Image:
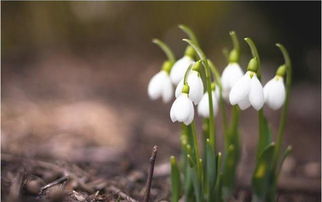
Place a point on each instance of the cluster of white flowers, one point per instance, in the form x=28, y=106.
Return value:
x=246, y=90
x=240, y=89
x=187, y=95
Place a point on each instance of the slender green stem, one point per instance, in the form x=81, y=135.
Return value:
x=190, y=33
x=196, y=153
x=255, y=54
x=235, y=40
x=165, y=49
x=283, y=116
x=235, y=120
x=194, y=45
x=206, y=67
x=221, y=100
x=186, y=74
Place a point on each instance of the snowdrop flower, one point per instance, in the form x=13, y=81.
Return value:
x=274, y=92
x=231, y=74
x=180, y=67
x=160, y=84
x=203, y=106
x=248, y=91
x=182, y=108
x=195, y=83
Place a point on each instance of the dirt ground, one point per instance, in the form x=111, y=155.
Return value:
x=88, y=123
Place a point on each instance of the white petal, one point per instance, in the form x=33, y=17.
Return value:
x=203, y=106
x=155, y=85
x=179, y=69
x=275, y=97
x=191, y=115
x=231, y=74
x=167, y=89
x=240, y=90
x=256, y=95
x=179, y=88
x=172, y=116
x=196, y=87
x=182, y=108
x=217, y=93
x=244, y=104
x=267, y=88
x=235, y=74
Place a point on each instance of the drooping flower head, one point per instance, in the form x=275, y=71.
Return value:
x=233, y=72
x=160, y=85
x=274, y=90
x=248, y=91
x=195, y=84
x=182, y=108
x=180, y=67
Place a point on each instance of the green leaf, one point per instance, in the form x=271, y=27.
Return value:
x=262, y=173
x=219, y=180
x=175, y=180
x=284, y=156
x=229, y=171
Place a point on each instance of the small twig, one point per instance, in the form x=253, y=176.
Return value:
x=150, y=174
x=118, y=192
x=58, y=181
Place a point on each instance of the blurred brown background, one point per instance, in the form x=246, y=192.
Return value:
x=75, y=74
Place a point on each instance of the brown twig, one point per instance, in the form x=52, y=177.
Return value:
x=118, y=192
x=150, y=174
x=58, y=181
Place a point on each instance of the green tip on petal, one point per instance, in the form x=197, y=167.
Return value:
x=190, y=52
x=253, y=65
x=197, y=66
x=167, y=65
x=185, y=89
x=281, y=71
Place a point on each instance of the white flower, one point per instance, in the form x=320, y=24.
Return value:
x=160, y=86
x=203, y=106
x=179, y=69
x=274, y=93
x=196, y=87
x=231, y=74
x=182, y=110
x=247, y=91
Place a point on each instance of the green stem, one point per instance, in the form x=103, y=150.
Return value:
x=281, y=130
x=216, y=75
x=165, y=49
x=255, y=54
x=186, y=74
x=204, y=60
x=235, y=40
x=235, y=121
x=190, y=33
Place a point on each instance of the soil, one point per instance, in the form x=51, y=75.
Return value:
x=82, y=129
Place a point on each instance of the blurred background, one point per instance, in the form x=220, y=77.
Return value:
x=75, y=74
